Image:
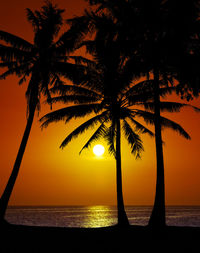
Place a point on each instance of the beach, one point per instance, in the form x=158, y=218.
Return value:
x=18, y=238
x=93, y=229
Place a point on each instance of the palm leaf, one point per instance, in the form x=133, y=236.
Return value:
x=168, y=106
x=100, y=132
x=166, y=91
x=82, y=60
x=147, y=95
x=150, y=118
x=70, y=40
x=18, y=70
x=133, y=139
x=165, y=106
x=10, y=54
x=73, y=72
x=70, y=112
x=140, y=87
x=91, y=46
x=32, y=19
x=15, y=41
x=77, y=99
x=82, y=128
x=78, y=90
x=139, y=127
x=129, y=72
x=174, y=126
x=148, y=86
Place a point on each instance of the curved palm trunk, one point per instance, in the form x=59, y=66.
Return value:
x=11, y=182
x=122, y=217
x=157, y=218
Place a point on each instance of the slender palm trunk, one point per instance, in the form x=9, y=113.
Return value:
x=11, y=182
x=122, y=217
x=157, y=218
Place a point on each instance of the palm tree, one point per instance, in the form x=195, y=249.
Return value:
x=156, y=32
x=43, y=63
x=111, y=108
x=108, y=91
x=166, y=38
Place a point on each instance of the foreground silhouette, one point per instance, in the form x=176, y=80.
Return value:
x=155, y=30
x=44, y=61
x=108, y=90
x=109, y=239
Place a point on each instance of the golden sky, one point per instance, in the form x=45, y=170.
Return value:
x=50, y=176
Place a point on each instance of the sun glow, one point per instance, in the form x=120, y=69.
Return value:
x=98, y=150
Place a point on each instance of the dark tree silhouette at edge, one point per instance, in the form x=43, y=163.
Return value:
x=45, y=61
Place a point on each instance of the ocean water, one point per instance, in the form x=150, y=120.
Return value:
x=97, y=216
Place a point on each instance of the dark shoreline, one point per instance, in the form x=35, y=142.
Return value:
x=19, y=238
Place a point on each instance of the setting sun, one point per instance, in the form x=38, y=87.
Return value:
x=98, y=150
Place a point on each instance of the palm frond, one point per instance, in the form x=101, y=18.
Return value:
x=147, y=95
x=168, y=106
x=70, y=112
x=73, y=89
x=73, y=72
x=91, y=46
x=174, y=126
x=140, y=128
x=133, y=139
x=82, y=60
x=11, y=54
x=82, y=128
x=32, y=19
x=166, y=91
x=23, y=79
x=15, y=41
x=100, y=132
x=140, y=87
x=77, y=99
x=70, y=40
x=139, y=98
x=18, y=70
x=129, y=72
x=164, y=106
x=150, y=118
x=125, y=112
x=146, y=89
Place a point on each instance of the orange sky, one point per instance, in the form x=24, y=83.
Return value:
x=50, y=176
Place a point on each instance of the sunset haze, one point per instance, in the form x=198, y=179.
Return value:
x=52, y=176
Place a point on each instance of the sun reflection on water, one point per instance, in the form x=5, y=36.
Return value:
x=100, y=216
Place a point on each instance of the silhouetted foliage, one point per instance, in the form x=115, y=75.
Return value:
x=110, y=90
x=158, y=34
x=44, y=63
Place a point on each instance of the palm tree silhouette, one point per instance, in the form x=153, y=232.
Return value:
x=43, y=62
x=151, y=32
x=146, y=20
x=163, y=48
x=110, y=106
x=108, y=91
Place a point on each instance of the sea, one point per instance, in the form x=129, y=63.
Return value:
x=97, y=216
